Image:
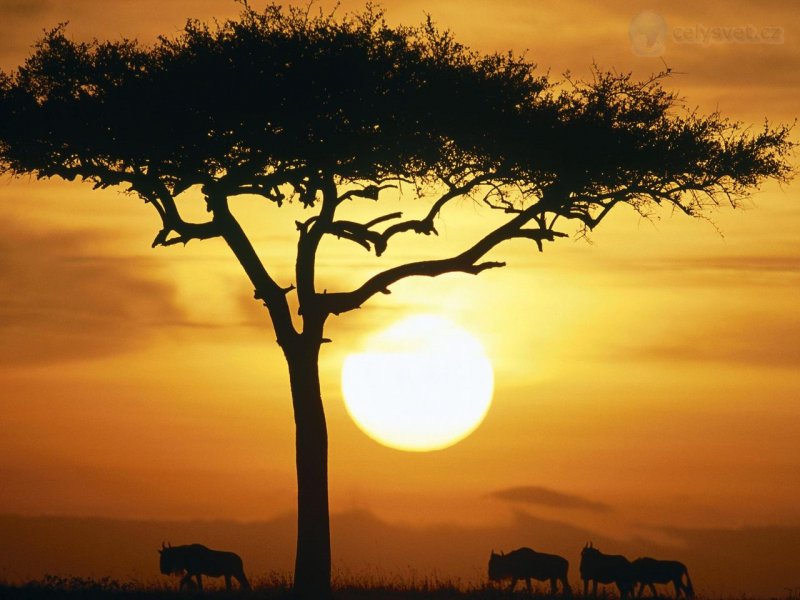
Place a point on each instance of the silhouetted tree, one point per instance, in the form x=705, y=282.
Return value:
x=321, y=110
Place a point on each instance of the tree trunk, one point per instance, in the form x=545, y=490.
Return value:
x=312, y=575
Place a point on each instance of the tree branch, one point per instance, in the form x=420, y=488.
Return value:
x=308, y=242
x=153, y=190
x=337, y=303
x=252, y=181
x=150, y=187
x=266, y=289
x=538, y=236
x=369, y=192
x=361, y=233
x=585, y=209
x=466, y=262
x=425, y=225
x=186, y=232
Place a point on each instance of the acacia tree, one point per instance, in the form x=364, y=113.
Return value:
x=323, y=110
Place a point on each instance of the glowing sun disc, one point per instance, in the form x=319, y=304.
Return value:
x=422, y=384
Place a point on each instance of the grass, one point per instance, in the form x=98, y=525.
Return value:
x=273, y=587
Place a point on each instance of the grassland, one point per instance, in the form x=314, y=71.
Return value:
x=278, y=587
x=271, y=588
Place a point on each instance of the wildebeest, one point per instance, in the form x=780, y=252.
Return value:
x=605, y=568
x=528, y=564
x=196, y=560
x=648, y=571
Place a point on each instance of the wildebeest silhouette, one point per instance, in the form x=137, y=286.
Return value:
x=196, y=560
x=648, y=571
x=605, y=568
x=528, y=564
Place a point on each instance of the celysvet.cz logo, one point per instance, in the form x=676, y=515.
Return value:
x=650, y=35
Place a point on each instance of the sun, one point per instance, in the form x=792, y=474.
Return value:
x=422, y=384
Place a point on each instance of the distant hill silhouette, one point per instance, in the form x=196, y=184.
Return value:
x=757, y=561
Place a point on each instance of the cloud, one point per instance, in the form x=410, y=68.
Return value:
x=63, y=298
x=541, y=496
x=743, y=270
x=788, y=264
x=757, y=339
x=24, y=8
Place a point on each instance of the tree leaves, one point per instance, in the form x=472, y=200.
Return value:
x=272, y=101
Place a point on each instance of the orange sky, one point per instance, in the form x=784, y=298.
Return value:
x=653, y=371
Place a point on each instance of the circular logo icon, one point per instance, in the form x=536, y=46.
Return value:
x=648, y=34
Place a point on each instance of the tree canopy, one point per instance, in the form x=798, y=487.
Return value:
x=274, y=94
x=273, y=102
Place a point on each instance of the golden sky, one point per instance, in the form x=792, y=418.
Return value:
x=650, y=376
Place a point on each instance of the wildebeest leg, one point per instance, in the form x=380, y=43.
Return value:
x=528, y=584
x=186, y=580
x=227, y=583
x=653, y=590
x=626, y=589
x=594, y=588
x=513, y=584
x=565, y=589
x=585, y=587
x=553, y=586
x=199, y=581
